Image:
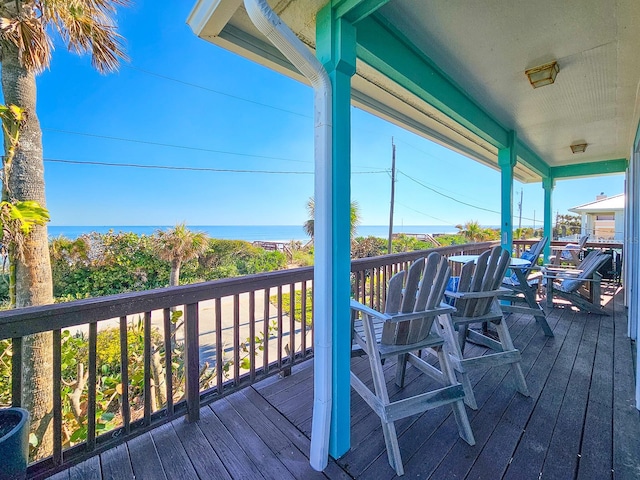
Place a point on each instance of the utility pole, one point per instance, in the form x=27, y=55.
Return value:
x=520, y=212
x=393, y=192
x=534, y=221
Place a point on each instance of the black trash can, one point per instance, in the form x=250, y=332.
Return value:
x=14, y=443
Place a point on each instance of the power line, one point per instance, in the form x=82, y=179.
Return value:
x=447, y=196
x=208, y=89
x=196, y=169
x=426, y=214
x=453, y=198
x=171, y=145
x=185, y=147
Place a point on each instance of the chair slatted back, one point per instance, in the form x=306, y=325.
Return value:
x=430, y=294
x=536, y=249
x=592, y=262
x=583, y=241
x=486, y=275
x=423, y=290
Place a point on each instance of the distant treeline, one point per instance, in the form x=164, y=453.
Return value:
x=98, y=264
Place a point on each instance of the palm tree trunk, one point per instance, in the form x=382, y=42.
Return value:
x=33, y=273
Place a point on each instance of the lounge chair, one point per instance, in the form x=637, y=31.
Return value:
x=406, y=328
x=523, y=286
x=581, y=286
x=570, y=253
x=476, y=303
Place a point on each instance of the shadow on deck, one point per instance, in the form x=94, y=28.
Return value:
x=580, y=421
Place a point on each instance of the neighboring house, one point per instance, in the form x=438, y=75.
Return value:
x=603, y=220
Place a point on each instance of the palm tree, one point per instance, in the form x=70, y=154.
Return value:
x=472, y=231
x=86, y=26
x=178, y=245
x=309, y=225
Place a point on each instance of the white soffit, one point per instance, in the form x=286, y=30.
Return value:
x=486, y=45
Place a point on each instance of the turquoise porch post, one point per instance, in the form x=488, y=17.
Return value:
x=507, y=158
x=547, y=184
x=336, y=50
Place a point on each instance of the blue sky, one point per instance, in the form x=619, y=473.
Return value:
x=182, y=102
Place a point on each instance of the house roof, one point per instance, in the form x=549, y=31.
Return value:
x=453, y=72
x=609, y=204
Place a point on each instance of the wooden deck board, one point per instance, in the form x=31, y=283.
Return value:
x=116, y=463
x=87, y=470
x=256, y=449
x=204, y=458
x=580, y=421
x=626, y=430
x=174, y=458
x=233, y=457
x=144, y=458
x=596, y=452
x=530, y=453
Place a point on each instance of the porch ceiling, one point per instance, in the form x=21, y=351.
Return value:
x=483, y=48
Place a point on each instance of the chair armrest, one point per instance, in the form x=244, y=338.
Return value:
x=405, y=317
x=559, y=272
x=359, y=307
x=401, y=317
x=472, y=295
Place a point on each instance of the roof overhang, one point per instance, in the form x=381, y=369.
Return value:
x=469, y=99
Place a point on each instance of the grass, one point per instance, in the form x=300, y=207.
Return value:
x=286, y=305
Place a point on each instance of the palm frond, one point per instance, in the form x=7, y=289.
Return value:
x=27, y=33
x=87, y=26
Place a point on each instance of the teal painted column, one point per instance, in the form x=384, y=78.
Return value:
x=507, y=158
x=336, y=49
x=547, y=184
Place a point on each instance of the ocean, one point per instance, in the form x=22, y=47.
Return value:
x=250, y=233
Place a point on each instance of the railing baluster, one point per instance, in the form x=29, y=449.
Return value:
x=91, y=396
x=292, y=323
x=192, y=363
x=236, y=339
x=16, y=372
x=124, y=376
x=266, y=335
x=168, y=358
x=385, y=270
x=219, y=346
x=57, y=397
x=279, y=295
x=252, y=336
x=147, y=368
x=303, y=318
x=378, y=290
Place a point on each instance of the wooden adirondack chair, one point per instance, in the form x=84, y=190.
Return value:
x=570, y=253
x=523, y=287
x=476, y=303
x=406, y=328
x=581, y=286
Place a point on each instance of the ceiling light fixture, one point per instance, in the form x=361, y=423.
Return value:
x=578, y=147
x=543, y=75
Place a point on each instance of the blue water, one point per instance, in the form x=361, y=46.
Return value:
x=250, y=233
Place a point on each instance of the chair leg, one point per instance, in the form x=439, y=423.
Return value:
x=452, y=348
x=401, y=369
x=459, y=412
x=462, y=336
x=393, y=449
x=516, y=368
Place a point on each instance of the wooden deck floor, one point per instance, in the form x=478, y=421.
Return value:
x=579, y=422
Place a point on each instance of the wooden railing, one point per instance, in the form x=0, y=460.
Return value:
x=233, y=331
x=521, y=245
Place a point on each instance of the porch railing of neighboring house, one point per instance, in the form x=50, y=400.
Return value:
x=247, y=328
